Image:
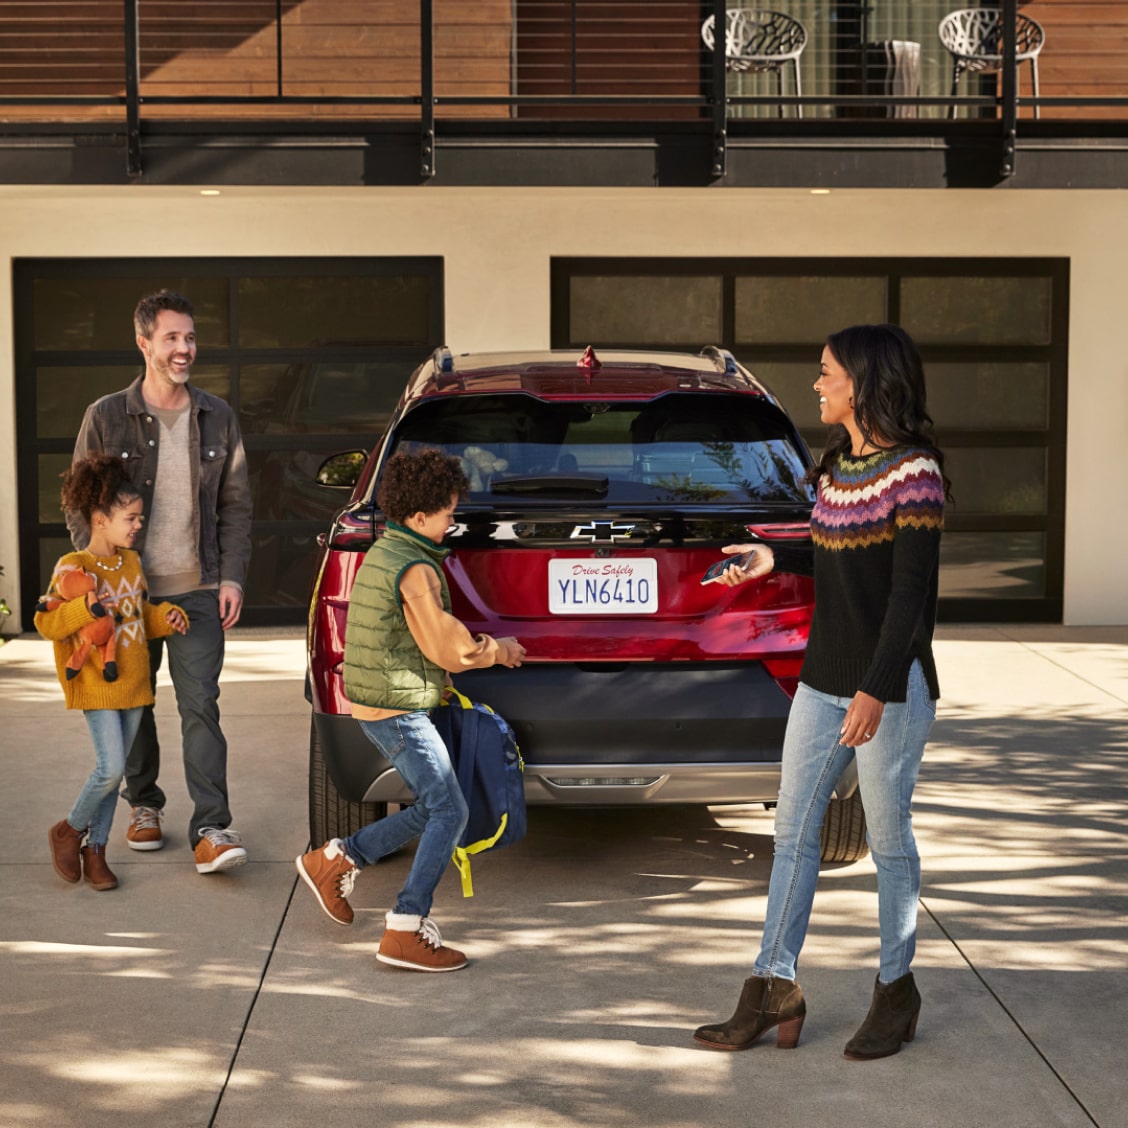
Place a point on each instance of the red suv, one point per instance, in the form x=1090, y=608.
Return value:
x=602, y=488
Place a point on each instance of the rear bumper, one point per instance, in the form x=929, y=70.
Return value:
x=609, y=735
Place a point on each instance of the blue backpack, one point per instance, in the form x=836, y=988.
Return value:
x=490, y=773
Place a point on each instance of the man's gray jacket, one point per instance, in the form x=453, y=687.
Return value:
x=121, y=424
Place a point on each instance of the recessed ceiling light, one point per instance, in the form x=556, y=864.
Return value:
x=820, y=191
x=209, y=191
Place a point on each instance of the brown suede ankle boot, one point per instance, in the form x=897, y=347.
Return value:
x=65, y=842
x=95, y=870
x=892, y=1019
x=764, y=1003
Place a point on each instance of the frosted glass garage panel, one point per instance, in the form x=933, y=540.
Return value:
x=791, y=382
x=314, y=312
x=977, y=311
x=785, y=309
x=993, y=565
x=989, y=397
x=683, y=310
x=96, y=312
x=998, y=480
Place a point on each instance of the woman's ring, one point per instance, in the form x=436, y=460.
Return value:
x=868, y=735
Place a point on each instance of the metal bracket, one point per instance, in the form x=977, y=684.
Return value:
x=427, y=89
x=719, y=80
x=1010, y=88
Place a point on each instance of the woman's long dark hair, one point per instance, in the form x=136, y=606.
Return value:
x=889, y=395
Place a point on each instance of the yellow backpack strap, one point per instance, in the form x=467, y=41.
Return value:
x=461, y=856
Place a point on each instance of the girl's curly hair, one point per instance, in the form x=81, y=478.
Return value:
x=97, y=483
x=421, y=482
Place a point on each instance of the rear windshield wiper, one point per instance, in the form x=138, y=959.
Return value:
x=551, y=484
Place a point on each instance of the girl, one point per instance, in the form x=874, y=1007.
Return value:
x=868, y=686
x=107, y=678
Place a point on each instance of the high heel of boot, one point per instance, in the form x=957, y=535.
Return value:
x=910, y=1033
x=787, y=1033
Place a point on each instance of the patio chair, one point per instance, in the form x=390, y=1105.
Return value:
x=974, y=39
x=757, y=39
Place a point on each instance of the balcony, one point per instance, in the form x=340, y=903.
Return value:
x=551, y=92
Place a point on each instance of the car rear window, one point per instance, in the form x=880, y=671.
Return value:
x=676, y=448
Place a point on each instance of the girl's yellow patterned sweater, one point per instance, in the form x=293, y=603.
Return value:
x=121, y=590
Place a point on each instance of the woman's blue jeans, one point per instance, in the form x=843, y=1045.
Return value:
x=887, y=772
x=112, y=731
x=437, y=817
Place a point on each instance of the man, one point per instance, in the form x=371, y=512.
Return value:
x=184, y=454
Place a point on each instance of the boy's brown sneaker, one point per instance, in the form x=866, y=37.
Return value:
x=144, y=831
x=95, y=870
x=65, y=842
x=415, y=943
x=218, y=850
x=330, y=873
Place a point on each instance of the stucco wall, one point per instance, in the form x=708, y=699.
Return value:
x=497, y=245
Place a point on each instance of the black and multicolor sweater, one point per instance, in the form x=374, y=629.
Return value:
x=876, y=531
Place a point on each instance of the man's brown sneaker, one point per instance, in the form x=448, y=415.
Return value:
x=218, y=850
x=95, y=870
x=144, y=832
x=415, y=943
x=330, y=873
x=65, y=841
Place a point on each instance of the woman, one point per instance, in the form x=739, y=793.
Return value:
x=868, y=685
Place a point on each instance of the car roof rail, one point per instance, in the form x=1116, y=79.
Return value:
x=443, y=360
x=722, y=358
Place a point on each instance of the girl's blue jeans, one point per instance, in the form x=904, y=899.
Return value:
x=887, y=772
x=112, y=731
x=437, y=817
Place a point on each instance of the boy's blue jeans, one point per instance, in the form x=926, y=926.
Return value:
x=437, y=817
x=887, y=771
x=112, y=731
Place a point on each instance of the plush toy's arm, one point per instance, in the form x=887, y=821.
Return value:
x=63, y=619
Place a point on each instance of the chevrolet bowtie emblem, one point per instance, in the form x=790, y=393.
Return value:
x=602, y=532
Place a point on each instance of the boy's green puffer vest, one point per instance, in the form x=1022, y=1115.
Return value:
x=384, y=668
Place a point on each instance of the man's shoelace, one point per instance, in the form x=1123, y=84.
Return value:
x=146, y=818
x=221, y=837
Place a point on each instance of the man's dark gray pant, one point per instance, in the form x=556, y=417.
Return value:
x=195, y=660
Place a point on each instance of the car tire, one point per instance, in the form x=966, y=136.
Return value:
x=330, y=814
x=844, y=830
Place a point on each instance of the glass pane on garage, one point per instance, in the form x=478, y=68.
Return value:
x=658, y=311
x=774, y=308
x=321, y=311
x=1007, y=481
x=90, y=313
x=992, y=565
x=977, y=310
x=989, y=396
x=62, y=394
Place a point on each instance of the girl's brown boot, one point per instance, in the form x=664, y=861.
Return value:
x=95, y=870
x=764, y=1003
x=892, y=1020
x=65, y=841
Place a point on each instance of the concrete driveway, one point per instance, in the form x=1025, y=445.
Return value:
x=597, y=944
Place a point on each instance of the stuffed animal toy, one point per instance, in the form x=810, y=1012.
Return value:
x=481, y=465
x=98, y=635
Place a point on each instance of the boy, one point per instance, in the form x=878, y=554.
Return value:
x=400, y=643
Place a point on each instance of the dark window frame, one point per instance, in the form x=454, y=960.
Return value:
x=1052, y=438
x=28, y=359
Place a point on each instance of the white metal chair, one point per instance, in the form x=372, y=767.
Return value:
x=974, y=39
x=757, y=39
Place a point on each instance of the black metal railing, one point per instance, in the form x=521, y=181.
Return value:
x=558, y=59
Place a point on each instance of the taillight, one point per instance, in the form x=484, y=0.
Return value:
x=785, y=671
x=352, y=532
x=787, y=530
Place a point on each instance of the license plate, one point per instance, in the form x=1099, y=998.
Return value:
x=603, y=587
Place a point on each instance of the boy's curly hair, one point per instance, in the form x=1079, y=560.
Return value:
x=421, y=482
x=97, y=483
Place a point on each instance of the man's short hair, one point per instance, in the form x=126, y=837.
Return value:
x=145, y=315
x=421, y=482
